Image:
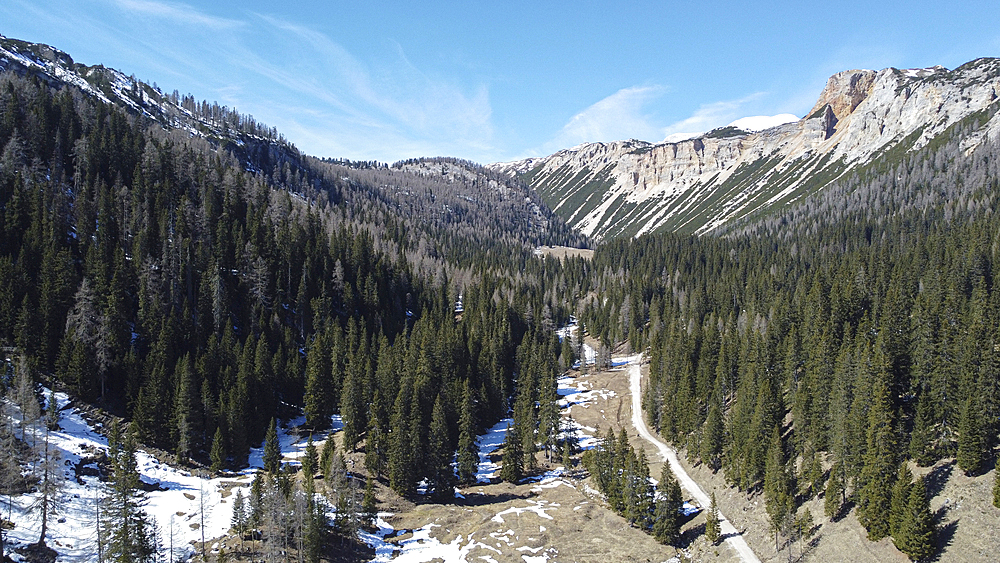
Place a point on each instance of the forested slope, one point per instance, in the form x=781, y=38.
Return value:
x=819, y=348
x=201, y=285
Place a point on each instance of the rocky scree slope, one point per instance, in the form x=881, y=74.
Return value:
x=628, y=188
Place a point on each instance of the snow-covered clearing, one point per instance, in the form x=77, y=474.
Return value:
x=422, y=546
x=180, y=505
x=570, y=331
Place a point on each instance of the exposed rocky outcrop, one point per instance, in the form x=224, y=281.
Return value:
x=632, y=187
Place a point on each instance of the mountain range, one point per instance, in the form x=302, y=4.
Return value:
x=862, y=117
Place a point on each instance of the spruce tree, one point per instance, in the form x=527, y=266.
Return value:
x=878, y=473
x=640, y=495
x=352, y=409
x=310, y=460
x=239, y=520
x=218, y=453
x=128, y=529
x=468, y=450
x=900, y=499
x=402, y=476
x=971, y=443
x=512, y=468
x=779, y=501
x=317, y=390
x=369, y=506
x=713, y=527
x=916, y=534
x=667, y=522
x=833, y=496
x=442, y=476
x=712, y=438
x=327, y=454
x=996, y=485
x=272, y=449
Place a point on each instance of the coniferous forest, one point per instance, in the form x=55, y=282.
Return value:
x=203, y=286
x=146, y=268
x=815, y=352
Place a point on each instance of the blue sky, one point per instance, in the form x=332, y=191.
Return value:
x=493, y=81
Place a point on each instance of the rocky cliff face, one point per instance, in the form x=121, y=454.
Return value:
x=632, y=187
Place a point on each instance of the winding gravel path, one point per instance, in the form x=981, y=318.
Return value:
x=733, y=537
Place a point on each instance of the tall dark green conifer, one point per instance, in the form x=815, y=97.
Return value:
x=971, y=442
x=779, y=501
x=127, y=529
x=900, y=499
x=468, y=450
x=878, y=474
x=442, y=476
x=916, y=529
x=272, y=449
x=512, y=468
x=667, y=521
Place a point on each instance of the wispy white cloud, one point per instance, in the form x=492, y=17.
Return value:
x=177, y=12
x=397, y=98
x=623, y=115
x=709, y=116
x=616, y=117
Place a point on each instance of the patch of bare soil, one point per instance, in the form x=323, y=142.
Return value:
x=564, y=251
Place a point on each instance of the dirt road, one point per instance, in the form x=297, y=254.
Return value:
x=731, y=535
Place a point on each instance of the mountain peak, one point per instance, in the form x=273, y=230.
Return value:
x=844, y=91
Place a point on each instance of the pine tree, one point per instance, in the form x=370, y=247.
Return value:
x=50, y=482
x=917, y=527
x=713, y=528
x=667, y=522
x=272, y=450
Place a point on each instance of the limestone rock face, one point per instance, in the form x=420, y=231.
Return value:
x=627, y=188
x=844, y=91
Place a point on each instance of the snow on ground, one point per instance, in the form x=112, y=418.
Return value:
x=175, y=505
x=420, y=547
x=575, y=391
x=569, y=331
x=489, y=443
